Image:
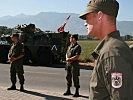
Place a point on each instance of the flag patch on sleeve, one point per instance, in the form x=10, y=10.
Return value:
x=116, y=79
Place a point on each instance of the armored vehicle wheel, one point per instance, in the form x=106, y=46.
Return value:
x=27, y=56
x=56, y=61
x=44, y=56
x=3, y=54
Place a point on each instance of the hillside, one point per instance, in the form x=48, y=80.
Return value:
x=52, y=20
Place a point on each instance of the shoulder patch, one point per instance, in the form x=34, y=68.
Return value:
x=116, y=80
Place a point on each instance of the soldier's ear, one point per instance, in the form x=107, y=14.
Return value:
x=74, y=39
x=100, y=15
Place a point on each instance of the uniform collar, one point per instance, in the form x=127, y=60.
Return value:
x=115, y=34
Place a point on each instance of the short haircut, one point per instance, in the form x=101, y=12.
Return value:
x=112, y=19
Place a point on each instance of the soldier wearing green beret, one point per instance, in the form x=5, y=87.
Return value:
x=72, y=68
x=112, y=75
x=15, y=57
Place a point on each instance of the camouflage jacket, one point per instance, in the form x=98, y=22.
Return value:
x=15, y=51
x=73, y=50
x=112, y=76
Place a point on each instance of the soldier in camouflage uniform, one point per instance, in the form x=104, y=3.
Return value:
x=15, y=57
x=72, y=69
x=112, y=75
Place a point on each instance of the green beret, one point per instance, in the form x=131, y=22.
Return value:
x=109, y=7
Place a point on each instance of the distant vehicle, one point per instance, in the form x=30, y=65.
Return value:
x=42, y=48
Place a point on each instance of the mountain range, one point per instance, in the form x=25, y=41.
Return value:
x=53, y=20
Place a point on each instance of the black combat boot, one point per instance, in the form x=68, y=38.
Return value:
x=22, y=88
x=76, y=93
x=68, y=92
x=13, y=87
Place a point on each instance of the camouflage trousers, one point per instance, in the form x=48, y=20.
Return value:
x=17, y=69
x=73, y=72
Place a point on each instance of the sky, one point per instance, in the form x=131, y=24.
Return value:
x=32, y=7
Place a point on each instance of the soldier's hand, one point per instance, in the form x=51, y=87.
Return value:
x=68, y=60
x=12, y=59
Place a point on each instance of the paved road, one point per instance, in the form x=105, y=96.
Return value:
x=50, y=79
